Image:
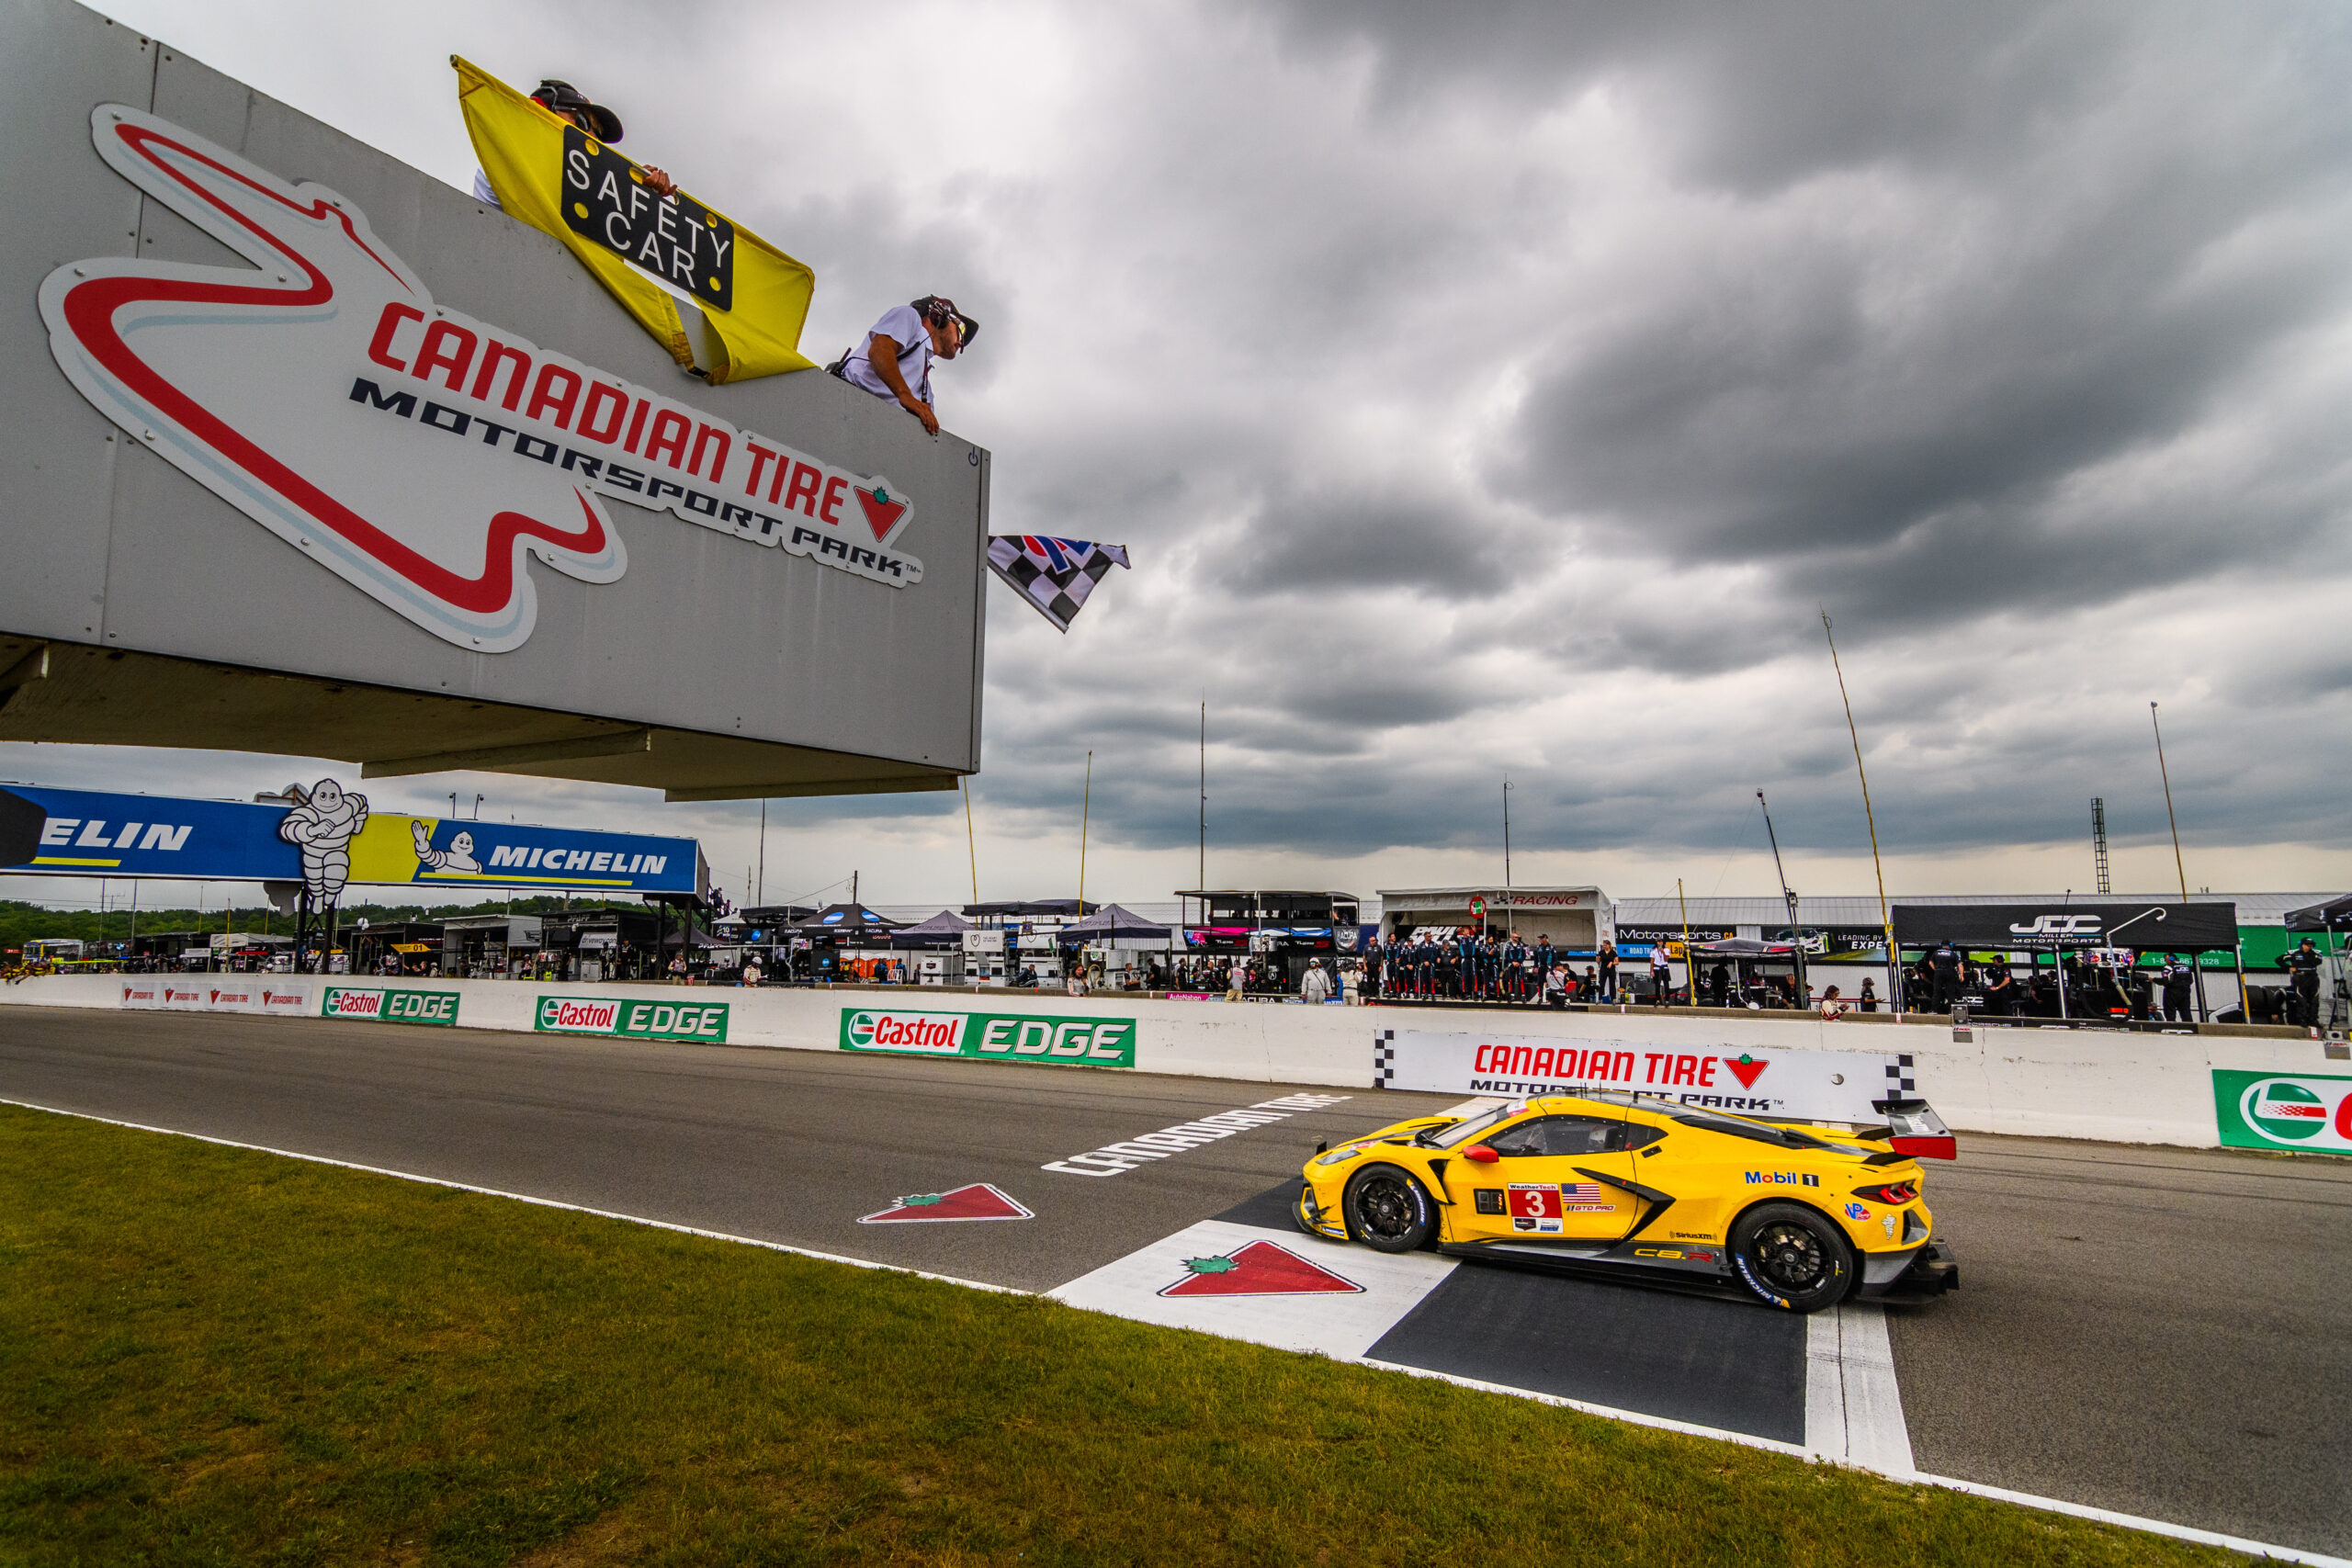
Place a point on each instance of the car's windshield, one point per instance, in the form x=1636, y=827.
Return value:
x=1468, y=1130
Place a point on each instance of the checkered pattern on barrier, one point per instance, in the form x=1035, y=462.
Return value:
x=1055, y=575
x=1901, y=1083
x=1383, y=1057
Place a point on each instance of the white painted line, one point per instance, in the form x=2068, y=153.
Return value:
x=523, y=1198
x=1342, y=1326
x=1853, y=1404
x=1978, y=1489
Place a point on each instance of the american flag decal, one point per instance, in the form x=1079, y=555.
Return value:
x=1055, y=575
x=1579, y=1190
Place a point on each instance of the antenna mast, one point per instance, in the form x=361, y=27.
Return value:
x=2098, y=843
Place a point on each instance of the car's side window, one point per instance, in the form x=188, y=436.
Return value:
x=1522, y=1139
x=1582, y=1135
x=1640, y=1135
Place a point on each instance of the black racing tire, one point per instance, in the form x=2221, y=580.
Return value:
x=1791, y=1257
x=1387, y=1209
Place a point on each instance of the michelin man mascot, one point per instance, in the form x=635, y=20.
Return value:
x=323, y=822
x=459, y=856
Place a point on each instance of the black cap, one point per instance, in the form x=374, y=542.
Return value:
x=603, y=123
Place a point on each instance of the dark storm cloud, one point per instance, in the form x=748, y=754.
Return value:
x=1508, y=388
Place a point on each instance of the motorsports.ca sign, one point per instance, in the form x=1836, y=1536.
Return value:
x=1074, y=1041
x=631, y=1019
x=1827, y=1085
x=2283, y=1110
x=386, y=1004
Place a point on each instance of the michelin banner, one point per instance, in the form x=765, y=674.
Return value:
x=1819, y=1086
x=328, y=837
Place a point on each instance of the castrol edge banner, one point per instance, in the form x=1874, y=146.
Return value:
x=1820, y=1086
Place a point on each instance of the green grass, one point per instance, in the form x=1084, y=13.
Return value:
x=212, y=1356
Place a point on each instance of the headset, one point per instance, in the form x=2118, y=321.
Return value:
x=939, y=311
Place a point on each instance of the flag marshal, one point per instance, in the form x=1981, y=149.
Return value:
x=560, y=180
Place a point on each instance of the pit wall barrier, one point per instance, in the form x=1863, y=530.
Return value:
x=2117, y=1088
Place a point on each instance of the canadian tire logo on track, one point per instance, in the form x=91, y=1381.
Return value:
x=386, y=1005
x=631, y=1019
x=2273, y=1110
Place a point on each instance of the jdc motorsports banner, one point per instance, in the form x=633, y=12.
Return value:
x=1825, y=1086
x=1075, y=1042
x=631, y=1019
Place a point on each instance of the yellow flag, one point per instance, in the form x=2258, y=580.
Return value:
x=556, y=177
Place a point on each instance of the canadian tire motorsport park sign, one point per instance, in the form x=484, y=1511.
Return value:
x=313, y=455
x=478, y=448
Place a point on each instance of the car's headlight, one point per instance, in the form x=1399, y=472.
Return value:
x=1336, y=1156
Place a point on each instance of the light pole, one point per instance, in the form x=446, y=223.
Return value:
x=1796, y=932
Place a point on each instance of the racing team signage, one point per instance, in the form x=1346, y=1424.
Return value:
x=1077, y=1042
x=419, y=454
x=1827, y=1085
x=631, y=1019
x=389, y=1004
x=2283, y=1110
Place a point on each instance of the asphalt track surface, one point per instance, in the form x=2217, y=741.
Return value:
x=2156, y=1331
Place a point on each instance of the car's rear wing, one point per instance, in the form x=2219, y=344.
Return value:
x=1915, y=1129
x=1912, y=1127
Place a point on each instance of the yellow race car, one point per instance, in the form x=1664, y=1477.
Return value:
x=1800, y=1217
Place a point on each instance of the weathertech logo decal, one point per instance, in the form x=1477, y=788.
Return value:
x=419, y=454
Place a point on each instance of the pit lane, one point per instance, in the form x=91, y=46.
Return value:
x=2154, y=1331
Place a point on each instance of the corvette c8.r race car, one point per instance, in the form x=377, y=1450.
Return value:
x=1800, y=1217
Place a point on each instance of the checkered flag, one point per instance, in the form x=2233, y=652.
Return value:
x=1054, y=575
x=1383, y=1057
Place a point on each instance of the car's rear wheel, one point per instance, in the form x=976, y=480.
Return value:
x=1791, y=1257
x=1389, y=1210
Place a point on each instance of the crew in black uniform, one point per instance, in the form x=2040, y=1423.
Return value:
x=2303, y=972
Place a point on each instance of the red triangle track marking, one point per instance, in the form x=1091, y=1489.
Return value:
x=1259, y=1269
x=1746, y=1070
x=977, y=1202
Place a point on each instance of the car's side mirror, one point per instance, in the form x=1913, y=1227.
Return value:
x=1481, y=1153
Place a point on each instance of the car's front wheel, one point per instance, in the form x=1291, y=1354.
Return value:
x=1389, y=1210
x=1791, y=1257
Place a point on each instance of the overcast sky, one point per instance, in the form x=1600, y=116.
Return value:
x=1508, y=389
